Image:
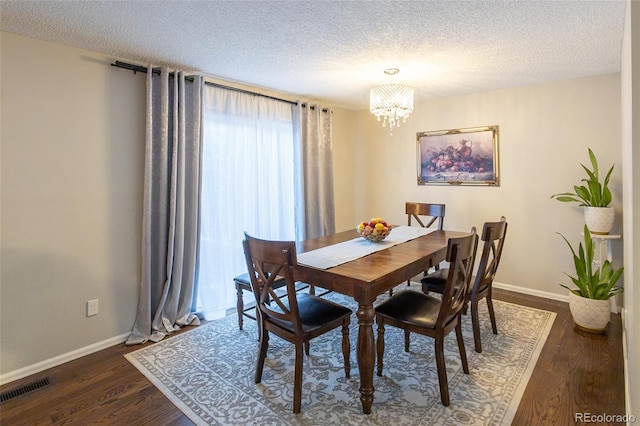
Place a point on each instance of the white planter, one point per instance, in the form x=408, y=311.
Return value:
x=599, y=220
x=589, y=314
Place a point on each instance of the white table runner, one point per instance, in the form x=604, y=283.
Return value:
x=337, y=254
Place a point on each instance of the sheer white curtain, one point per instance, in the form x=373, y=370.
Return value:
x=247, y=185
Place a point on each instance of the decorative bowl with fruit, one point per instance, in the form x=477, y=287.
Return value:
x=374, y=229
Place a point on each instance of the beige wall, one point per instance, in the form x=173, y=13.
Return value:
x=343, y=135
x=72, y=166
x=544, y=134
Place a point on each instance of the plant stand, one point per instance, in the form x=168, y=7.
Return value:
x=603, y=252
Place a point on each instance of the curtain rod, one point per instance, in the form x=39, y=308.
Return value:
x=139, y=68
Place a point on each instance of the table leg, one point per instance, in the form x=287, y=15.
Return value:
x=366, y=354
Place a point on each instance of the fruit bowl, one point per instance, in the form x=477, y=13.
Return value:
x=374, y=229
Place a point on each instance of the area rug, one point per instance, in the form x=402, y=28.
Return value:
x=208, y=373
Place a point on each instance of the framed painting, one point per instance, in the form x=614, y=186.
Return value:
x=458, y=157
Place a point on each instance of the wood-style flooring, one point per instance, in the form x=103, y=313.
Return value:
x=577, y=372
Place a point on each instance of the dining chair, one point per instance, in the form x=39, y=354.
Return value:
x=430, y=316
x=292, y=316
x=426, y=215
x=242, y=283
x=493, y=237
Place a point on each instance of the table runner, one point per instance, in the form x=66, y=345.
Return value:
x=337, y=254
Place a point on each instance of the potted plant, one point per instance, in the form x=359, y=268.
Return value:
x=595, y=196
x=589, y=302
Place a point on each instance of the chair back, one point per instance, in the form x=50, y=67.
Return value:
x=266, y=261
x=429, y=212
x=461, y=253
x=493, y=236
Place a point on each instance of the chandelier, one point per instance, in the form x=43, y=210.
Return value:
x=391, y=102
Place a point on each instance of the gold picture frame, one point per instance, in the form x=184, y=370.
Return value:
x=467, y=156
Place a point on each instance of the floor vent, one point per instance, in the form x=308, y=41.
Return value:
x=23, y=390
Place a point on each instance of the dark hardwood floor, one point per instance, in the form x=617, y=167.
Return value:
x=577, y=372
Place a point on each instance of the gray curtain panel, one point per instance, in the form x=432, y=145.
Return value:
x=315, y=210
x=171, y=207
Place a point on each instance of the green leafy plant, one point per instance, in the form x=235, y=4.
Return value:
x=594, y=193
x=599, y=284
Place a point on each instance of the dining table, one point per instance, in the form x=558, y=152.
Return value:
x=365, y=278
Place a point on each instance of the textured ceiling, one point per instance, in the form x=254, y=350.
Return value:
x=334, y=51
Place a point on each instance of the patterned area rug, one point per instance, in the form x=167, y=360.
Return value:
x=208, y=373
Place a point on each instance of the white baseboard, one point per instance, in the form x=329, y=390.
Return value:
x=532, y=292
x=61, y=359
x=616, y=309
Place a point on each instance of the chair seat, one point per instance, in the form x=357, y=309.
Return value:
x=315, y=312
x=411, y=307
x=435, y=282
x=245, y=281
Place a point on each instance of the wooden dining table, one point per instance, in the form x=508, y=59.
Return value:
x=367, y=277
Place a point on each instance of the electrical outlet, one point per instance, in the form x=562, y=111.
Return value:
x=92, y=307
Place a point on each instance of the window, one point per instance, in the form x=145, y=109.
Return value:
x=247, y=185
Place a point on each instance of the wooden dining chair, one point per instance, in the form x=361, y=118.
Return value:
x=425, y=215
x=430, y=316
x=493, y=236
x=242, y=283
x=294, y=317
